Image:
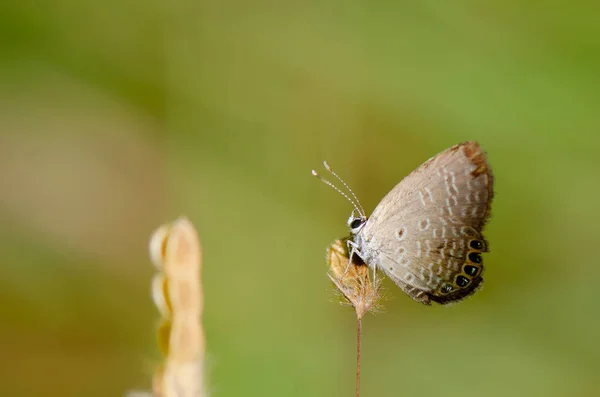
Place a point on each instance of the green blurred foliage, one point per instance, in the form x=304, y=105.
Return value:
x=116, y=117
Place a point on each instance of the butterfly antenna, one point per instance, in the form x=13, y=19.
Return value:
x=358, y=208
x=361, y=210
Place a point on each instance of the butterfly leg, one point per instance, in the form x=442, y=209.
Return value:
x=353, y=250
x=374, y=275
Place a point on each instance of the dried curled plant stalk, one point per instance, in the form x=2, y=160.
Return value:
x=177, y=292
x=353, y=281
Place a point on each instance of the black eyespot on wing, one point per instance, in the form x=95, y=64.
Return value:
x=470, y=270
x=462, y=281
x=475, y=257
x=447, y=288
x=457, y=294
x=476, y=244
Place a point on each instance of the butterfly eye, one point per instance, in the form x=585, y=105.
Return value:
x=356, y=223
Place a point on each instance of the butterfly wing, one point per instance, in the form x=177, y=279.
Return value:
x=426, y=234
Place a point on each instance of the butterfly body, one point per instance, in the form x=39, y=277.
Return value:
x=426, y=233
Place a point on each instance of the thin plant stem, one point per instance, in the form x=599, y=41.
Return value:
x=353, y=281
x=358, y=338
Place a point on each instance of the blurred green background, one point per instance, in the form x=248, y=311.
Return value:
x=116, y=117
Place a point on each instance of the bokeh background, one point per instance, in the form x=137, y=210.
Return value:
x=116, y=117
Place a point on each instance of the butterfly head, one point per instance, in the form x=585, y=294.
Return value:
x=356, y=222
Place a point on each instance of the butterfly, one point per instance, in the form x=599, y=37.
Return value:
x=426, y=234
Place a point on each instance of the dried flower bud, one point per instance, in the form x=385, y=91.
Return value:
x=177, y=293
x=352, y=279
x=158, y=246
x=160, y=295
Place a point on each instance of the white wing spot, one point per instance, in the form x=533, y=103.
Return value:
x=429, y=194
x=451, y=201
x=428, y=247
x=403, y=259
x=401, y=233
x=454, y=220
x=453, y=178
x=446, y=211
x=440, y=270
x=424, y=224
x=442, y=255
x=422, y=198
x=429, y=277
x=447, y=185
